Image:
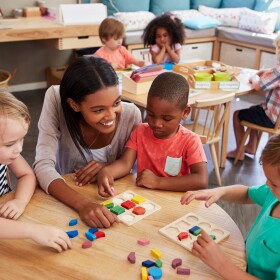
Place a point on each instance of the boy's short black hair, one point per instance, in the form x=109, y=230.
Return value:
x=172, y=87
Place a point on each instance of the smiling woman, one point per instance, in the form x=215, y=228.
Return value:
x=83, y=125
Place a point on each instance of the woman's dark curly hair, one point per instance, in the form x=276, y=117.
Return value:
x=168, y=21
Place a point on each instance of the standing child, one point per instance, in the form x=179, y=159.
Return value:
x=164, y=35
x=263, y=240
x=265, y=114
x=169, y=156
x=111, y=34
x=14, y=123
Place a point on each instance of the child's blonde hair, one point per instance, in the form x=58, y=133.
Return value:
x=276, y=41
x=271, y=152
x=110, y=28
x=11, y=107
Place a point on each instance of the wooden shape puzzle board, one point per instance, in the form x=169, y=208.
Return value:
x=128, y=217
x=185, y=223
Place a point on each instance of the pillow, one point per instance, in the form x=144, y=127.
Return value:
x=227, y=17
x=134, y=20
x=259, y=22
x=186, y=14
x=116, y=6
x=262, y=5
x=238, y=4
x=201, y=22
x=276, y=10
x=208, y=3
x=161, y=6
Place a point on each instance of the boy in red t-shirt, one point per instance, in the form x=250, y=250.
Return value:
x=169, y=156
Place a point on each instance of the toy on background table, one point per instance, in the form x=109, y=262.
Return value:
x=192, y=225
x=131, y=207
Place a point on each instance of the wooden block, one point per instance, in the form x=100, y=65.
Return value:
x=139, y=210
x=183, y=235
x=158, y=263
x=143, y=241
x=93, y=230
x=156, y=253
x=183, y=271
x=90, y=236
x=144, y=273
x=117, y=210
x=72, y=233
x=31, y=12
x=128, y=204
x=131, y=257
x=108, y=203
x=138, y=199
x=150, y=277
x=156, y=272
x=195, y=230
x=99, y=234
x=86, y=244
x=73, y=222
x=148, y=263
x=176, y=262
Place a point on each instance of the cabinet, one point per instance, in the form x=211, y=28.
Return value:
x=199, y=51
x=268, y=60
x=142, y=54
x=237, y=55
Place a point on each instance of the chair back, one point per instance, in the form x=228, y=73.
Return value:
x=210, y=116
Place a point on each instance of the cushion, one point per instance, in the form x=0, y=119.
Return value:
x=186, y=14
x=262, y=5
x=115, y=6
x=161, y=6
x=201, y=22
x=227, y=17
x=259, y=22
x=238, y=4
x=134, y=20
x=276, y=10
x=208, y=3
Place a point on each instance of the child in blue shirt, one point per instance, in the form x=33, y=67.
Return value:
x=263, y=240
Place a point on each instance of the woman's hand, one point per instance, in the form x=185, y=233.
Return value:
x=105, y=183
x=12, y=209
x=87, y=174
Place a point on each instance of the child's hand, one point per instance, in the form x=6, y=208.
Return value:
x=209, y=251
x=50, y=236
x=12, y=209
x=87, y=174
x=105, y=183
x=148, y=179
x=210, y=196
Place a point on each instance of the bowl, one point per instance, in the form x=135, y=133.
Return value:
x=203, y=76
x=222, y=76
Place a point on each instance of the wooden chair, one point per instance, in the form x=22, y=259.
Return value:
x=260, y=129
x=209, y=118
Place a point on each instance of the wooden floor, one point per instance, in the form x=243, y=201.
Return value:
x=248, y=172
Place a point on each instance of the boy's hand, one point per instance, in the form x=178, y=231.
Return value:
x=97, y=215
x=210, y=196
x=87, y=174
x=105, y=183
x=148, y=179
x=50, y=236
x=12, y=209
x=209, y=251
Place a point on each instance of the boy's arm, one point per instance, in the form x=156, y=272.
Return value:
x=198, y=179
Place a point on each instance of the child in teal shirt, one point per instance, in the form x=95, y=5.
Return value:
x=263, y=240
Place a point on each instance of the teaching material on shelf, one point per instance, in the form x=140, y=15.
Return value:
x=187, y=223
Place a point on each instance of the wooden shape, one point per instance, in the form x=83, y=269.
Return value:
x=108, y=203
x=213, y=236
x=158, y=263
x=128, y=204
x=117, y=210
x=156, y=253
x=99, y=234
x=73, y=222
x=131, y=257
x=176, y=262
x=138, y=210
x=143, y=241
x=93, y=230
x=188, y=221
x=182, y=235
x=127, y=216
x=195, y=230
x=72, y=233
x=90, y=236
x=144, y=273
x=86, y=244
x=150, y=277
x=183, y=271
x=138, y=199
x=156, y=272
x=148, y=263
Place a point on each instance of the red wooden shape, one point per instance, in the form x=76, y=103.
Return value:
x=99, y=234
x=139, y=210
x=182, y=235
x=128, y=204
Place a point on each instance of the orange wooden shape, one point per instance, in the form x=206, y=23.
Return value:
x=138, y=210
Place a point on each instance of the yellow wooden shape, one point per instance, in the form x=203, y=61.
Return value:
x=144, y=273
x=156, y=253
x=138, y=199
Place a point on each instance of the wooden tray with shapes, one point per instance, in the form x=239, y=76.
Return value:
x=188, y=221
x=128, y=217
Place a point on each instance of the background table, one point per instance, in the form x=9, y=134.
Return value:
x=107, y=258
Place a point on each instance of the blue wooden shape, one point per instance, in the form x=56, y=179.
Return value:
x=148, y=263
x=93, y=230
x=156, y=272
x=195, y=230
x=73, y=222
x=72, y=233
x=90, y=236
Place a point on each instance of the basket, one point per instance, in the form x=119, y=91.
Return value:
x=5, y=77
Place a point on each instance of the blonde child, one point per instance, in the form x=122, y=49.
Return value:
x=111, y=33
x=164, y=35
x=263, y=240
x=14, y=123
x=265, y=114
x=169, y=156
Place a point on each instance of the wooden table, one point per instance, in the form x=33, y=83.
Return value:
x=195, y=94
x=107, y=258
